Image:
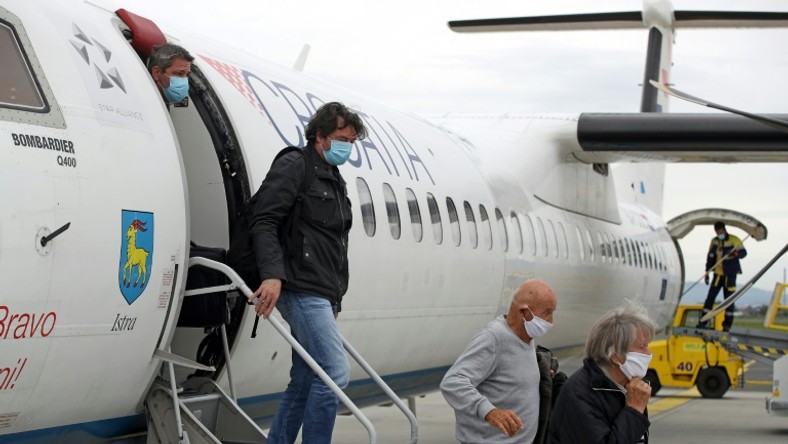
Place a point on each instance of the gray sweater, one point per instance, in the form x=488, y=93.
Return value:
x=496, y=370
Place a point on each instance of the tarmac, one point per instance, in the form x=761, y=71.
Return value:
x=677, y=416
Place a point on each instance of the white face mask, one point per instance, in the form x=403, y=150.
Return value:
x=635, y=365
x=536, y=327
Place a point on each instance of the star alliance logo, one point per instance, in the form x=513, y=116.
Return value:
x=85, y=46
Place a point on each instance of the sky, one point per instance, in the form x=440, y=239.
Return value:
x=402, y=53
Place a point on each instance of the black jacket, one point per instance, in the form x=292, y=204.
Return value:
x=316, y=262
x=591, y=409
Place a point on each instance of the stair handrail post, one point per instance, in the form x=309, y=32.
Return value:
x=176, y=403
x=414, y=426
x=238, y=283
x=226, y=347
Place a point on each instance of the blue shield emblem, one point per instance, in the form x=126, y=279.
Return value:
x=136, y=253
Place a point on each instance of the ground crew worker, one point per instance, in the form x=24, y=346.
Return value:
x=722, y=261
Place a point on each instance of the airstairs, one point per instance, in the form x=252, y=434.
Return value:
x=202, y=412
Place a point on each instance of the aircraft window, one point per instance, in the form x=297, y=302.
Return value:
x=18, y=87
x=435, y=218
x=563, y=242
x=542, y=237
x=415, y=215
x=630, y=250
x=502, y=228
x=616, y=253
x=471, y=219
x=367, y=208
x=486, y=227
x=657, y=256
x=580, y=243
x=652, y=259
x=392, y=211
x=552, y=237
x=590, y=240
x=609, y=246
x=601, y=243
x=529, y=237
x=517, y=232
x=627, y=254
x=454, y=221
x=662, y=257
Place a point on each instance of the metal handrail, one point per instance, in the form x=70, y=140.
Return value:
x=414, y=426
x=238, y=283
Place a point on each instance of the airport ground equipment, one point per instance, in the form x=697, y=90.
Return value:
x=769, y=345
x=683, y=361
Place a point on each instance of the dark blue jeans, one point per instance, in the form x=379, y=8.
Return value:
x=307, y=400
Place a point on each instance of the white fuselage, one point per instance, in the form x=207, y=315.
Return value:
x=77, y=346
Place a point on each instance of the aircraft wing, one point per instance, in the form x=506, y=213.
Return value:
x=656, y=137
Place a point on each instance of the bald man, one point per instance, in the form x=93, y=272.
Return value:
x=493, y=386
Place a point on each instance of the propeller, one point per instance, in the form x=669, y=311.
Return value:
x=777, y=124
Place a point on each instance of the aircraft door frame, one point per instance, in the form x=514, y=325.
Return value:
x=229, y=167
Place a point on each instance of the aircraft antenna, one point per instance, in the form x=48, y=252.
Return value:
x=301, y=60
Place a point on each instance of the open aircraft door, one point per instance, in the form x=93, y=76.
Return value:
x=93, y=186
x=215, y=174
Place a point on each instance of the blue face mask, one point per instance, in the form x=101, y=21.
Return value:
x=178, y=89
x=721, y=236
x=339, y=152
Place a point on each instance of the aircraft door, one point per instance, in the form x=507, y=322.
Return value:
x=95, y=166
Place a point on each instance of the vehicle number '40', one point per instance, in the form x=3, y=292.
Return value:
x=685, y=366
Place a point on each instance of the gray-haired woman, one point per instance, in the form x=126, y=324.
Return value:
x=605, y=401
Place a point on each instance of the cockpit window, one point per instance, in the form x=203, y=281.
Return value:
x=18, y=88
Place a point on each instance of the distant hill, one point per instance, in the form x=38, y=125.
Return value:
x=753, y=297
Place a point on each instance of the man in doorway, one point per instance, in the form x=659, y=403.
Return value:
x=722, y=261
x=170, y=66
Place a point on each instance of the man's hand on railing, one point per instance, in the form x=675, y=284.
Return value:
x=265, y=297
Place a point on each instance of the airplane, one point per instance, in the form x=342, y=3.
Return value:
x=107, y=194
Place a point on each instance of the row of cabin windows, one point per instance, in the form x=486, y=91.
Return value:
x=547, y=239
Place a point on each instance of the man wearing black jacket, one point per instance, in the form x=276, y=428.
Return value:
x=305, y=274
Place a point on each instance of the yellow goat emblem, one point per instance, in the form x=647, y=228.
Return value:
x=135, y=257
